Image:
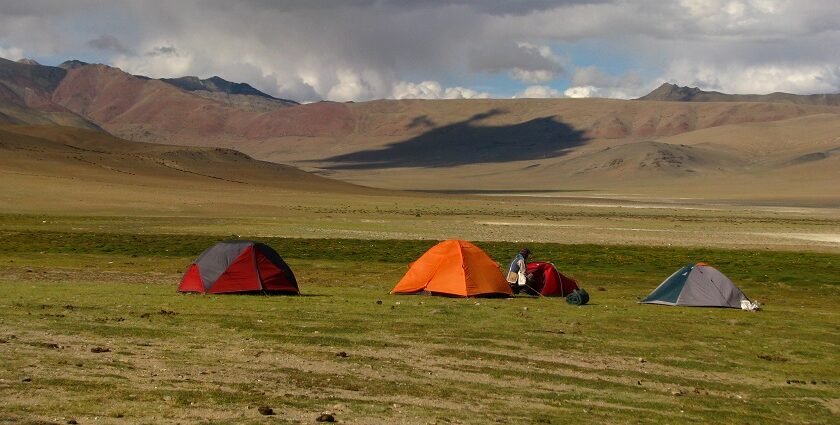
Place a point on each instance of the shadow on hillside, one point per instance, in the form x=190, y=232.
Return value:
x=468, y=142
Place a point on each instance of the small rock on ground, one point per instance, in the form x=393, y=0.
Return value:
x=325, y=417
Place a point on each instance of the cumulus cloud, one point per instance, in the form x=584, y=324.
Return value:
x=591, y=81
x=522, y=61
x=760, y=78
x=367, y=49
x=349, y=86
x=434, y=90
x=538, y=92
x=578, y=92
x=159, y=61
x=11, y=53
x=547, y=69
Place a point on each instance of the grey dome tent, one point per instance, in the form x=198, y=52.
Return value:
x=697, y=285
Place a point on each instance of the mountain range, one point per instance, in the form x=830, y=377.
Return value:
x=674, y=93
x=675, y=139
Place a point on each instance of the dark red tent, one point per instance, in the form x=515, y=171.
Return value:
x=239, y=266
x=549, y=282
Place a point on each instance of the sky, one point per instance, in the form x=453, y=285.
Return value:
x=359, y=50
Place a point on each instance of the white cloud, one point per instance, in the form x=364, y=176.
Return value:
x=433, y=90
x=349, y=86
x=365, y=49
x=542, y=50
x=11, y=53
x=762, y=78
x=535, y=74
x=423, y=90
x=731, y=16
x=590, y=81
x=464, y=93
x=538, y=92
x=581, y=92
x=160, y=59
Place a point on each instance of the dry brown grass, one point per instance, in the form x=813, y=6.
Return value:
x=63, y=174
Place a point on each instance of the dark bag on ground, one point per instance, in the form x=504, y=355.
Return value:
x=578, y=297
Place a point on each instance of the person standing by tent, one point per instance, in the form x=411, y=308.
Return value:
x=517, y=275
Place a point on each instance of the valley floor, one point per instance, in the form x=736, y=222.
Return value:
x=608, y=219
x=92, y=329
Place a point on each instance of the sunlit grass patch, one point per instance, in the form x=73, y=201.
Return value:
x=413, y=359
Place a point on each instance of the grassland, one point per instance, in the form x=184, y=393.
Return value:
x=71, y=290
x=96, y=231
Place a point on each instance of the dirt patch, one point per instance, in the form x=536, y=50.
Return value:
x=832, y=404
x=772, y=357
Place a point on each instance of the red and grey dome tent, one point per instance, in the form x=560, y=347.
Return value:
x=239, y=266
x=549, y=282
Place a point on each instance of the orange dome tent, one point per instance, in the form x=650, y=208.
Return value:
x=454, y=268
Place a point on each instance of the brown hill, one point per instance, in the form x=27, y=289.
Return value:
x=11, y=113
x=733, y=146
x=425, y=133
x=493, y=144
x=785, y=160
x=651, y=159
x=215, y=112
x=674, y=93
x=385, y=132
x=54, y=167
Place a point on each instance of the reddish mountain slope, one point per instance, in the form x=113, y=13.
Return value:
x=130, y=106
x=25, y=95
x=457, y=144
x=144, y=109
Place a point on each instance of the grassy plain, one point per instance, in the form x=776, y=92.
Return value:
x=75, y=285
x=95, y=233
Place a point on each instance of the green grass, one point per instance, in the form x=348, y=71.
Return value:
x=759, y=266
x=411, y=359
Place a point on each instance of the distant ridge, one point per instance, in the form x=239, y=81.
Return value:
x=72, y=64
x=218, y=84
x=673, y=93
x=26, y=73
x=25, y=95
